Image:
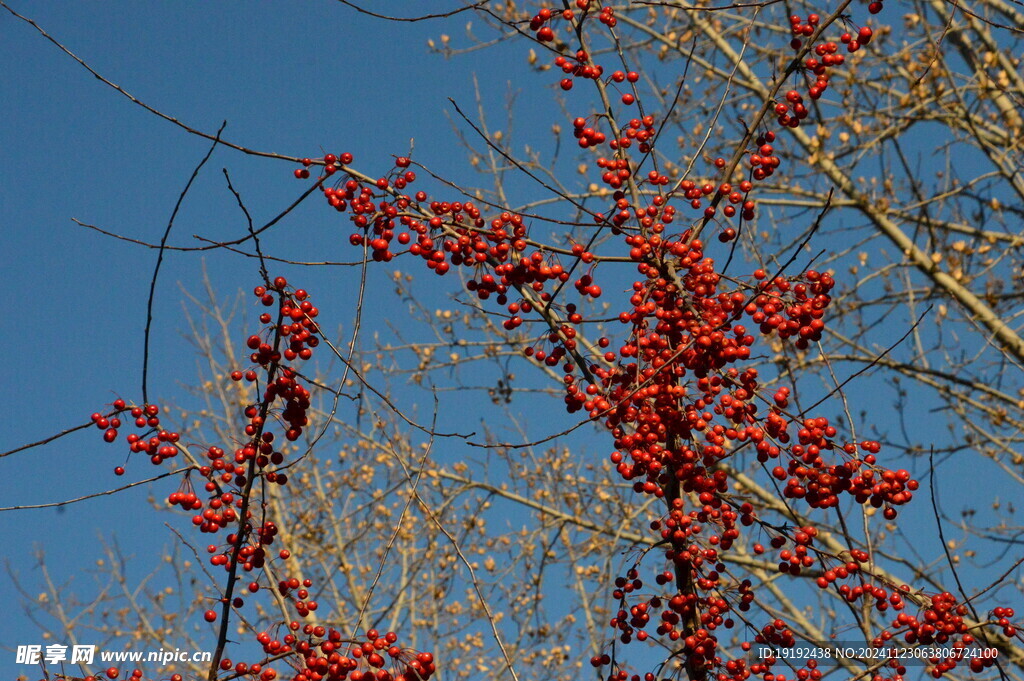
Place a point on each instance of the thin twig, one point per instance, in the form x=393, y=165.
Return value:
x=104, y=493
x=425, y=17
x=160, y=260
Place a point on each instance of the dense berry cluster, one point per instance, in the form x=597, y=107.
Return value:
x=328, y=656
x=793, y=308
x=670, y=394
x=675, y=393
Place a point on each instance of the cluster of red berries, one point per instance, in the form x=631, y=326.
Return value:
x=298, y=593
x=883, y=597
x=793, y=308
x=683, y=324
x=219, y=509
x=332, y=164
x=328, y=656
x=942, y=622
x=454, y=235
x=110, y=423
x=616, y=171
x=185, y=498
x=795, y=103
x=762, y=160
x=791, y=112
x=587, y=136
x=532, y=272
x=403, y=177
x=1003, y=616
x=367, y=214
x=539, y=23
x=702, y=565
x=296, y=398
x=251, y=556
x=295, y=325
x=578, y=67
x=675, y=329
x=810, y=478
x=159, y=445
x=545, y=34
x=834, y=573
x=640, y=130
x=233, y=469
x=853, y=42
x=606, y=15
x=377, y=222
x=652, y=218
x=776, y=634
x=803, y=29
x=695, y=193
x=802, y=554
x=699, y=647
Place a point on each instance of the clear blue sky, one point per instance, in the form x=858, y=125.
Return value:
x=295, y=79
